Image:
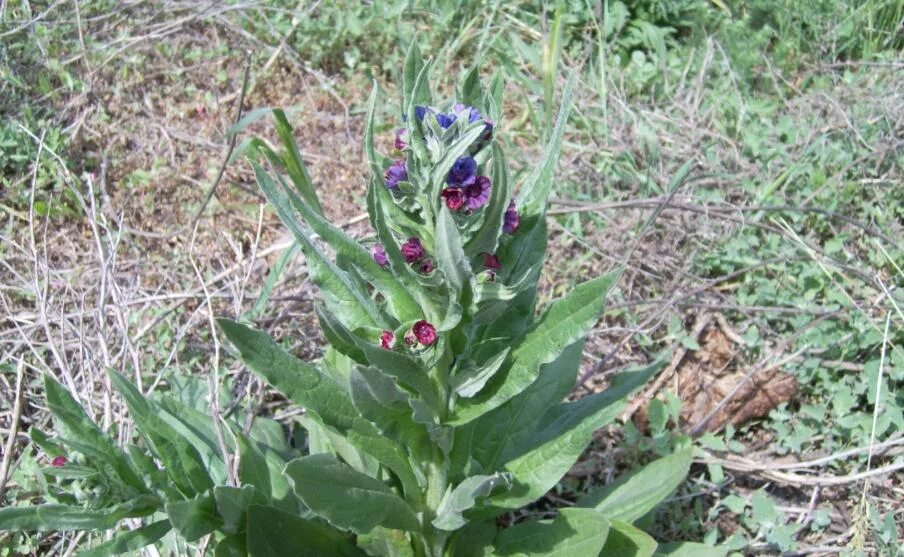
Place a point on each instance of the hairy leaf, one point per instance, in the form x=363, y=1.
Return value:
x=346, y=498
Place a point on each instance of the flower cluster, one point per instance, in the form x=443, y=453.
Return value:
x=464, y=190
x=421, y=332
x=465, y=187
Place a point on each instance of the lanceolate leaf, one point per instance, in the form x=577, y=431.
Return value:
x=535, y=191
x=561, y=438
x=503, y=430
x=389, y=454
x=194, y=518
x=468, y=381
x=627, y=541
x=381, y=402
x=294, y=163
x=689, y=549
x=346, y=498
x=405, y=369
x=465, y=496
x=637, y=493
x=397, y=296
x=131, y=540
x=272, y=532
x=574, y=532
x=302, y=383
x=183, y=463
x=567, y=320
x=64, y=517
x=487, y=237
x=351, y=305
x=78, y=431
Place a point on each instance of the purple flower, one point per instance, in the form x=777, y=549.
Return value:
x=487, y=131
x=478, y=193
x=463, y=172
x=386, y=340
x=424, y=332
x=400, y=137
x=412, y=250
x=511, y=220
x=426, y=267
x=396, y=173
x=454, y=197
x=379, y=255
x=420, y=112
x=473, y=113
x=59, y=461
x=445, y=120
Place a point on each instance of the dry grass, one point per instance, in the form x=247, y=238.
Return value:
x=132, y=283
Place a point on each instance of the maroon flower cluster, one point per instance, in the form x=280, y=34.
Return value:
x=422, y=332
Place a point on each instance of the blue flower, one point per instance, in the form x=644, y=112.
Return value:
x=445, y=120
x=463, y=172
x=396, y=173
x=420, y=112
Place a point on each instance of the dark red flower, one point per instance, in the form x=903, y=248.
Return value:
x=491, y=262
x=454, y=197
x=424, y=332
x=426, y=266
x=386, y=340
x=59, y=461
x=412, y=250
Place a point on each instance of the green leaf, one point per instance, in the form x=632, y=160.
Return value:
x=131, y=540
x=487, y=236
x=470, y=379
x=253, y=469
x=465, y=496
x=405, y=369
x=294, y=163
x=198, y=429
x=397, y=296
x=562, y=436
x=366, y=438
x=385, y=542
x=450, y=255
x=452, y=154
x=272, y=532
x=184, y=465
x=380, y=401
x=574, y=532
x=64, y=517
x=232, y=502
x=689, y=549
x=535, y=191
x=474, y=540
x=194, y=518
x=350, y=304
x=76, y=430
x=564, y=322
x=627, y=541
x=504, y=430
x=231, y=546
x=302, y=383
x=273, y=276
x=346, y=498
x=414, y=90
x=637, y=493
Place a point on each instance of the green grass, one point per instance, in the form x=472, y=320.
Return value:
x=788, y=108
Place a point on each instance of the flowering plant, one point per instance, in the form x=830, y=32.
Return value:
x=437, y=406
